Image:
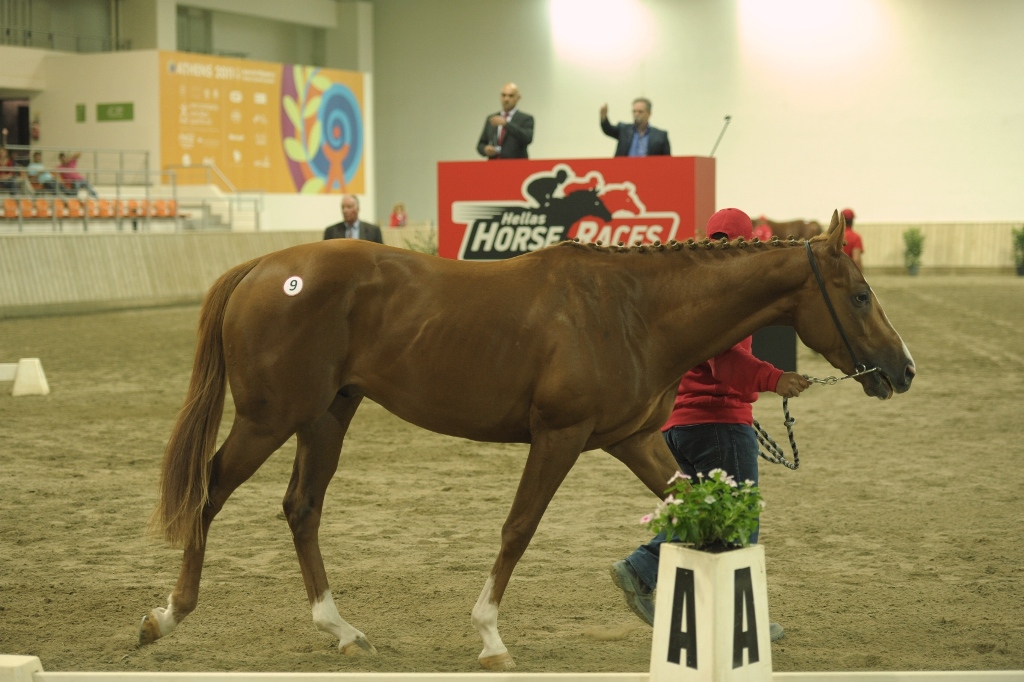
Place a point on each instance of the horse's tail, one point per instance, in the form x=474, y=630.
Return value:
x=185, y=472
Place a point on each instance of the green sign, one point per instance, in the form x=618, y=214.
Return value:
x=120, y=111
x=79, y=113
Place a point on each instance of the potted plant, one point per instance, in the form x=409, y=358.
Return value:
x=913, y=245
x=1018, y=249
x=711, y=606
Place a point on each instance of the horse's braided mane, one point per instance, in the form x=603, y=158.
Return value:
x=691, y=244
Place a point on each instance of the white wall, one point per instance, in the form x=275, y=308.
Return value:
x=100, y=78
x=21, y=69
x=907, y=110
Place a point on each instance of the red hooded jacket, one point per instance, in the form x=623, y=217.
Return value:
x=723, y=389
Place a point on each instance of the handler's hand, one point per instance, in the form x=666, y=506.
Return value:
x=492, y=151
x=604, y=111
x=791, y=385
x=496, y=120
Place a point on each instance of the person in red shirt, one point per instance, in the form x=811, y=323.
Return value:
x=711, y=427
x=763, y=230
x=854, y=245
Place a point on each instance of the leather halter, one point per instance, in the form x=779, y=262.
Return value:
x=859, y=367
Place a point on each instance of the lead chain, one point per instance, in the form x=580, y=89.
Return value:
x=776, y=455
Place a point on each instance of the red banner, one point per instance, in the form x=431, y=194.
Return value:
x=490, y=210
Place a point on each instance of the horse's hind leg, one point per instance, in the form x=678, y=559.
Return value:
x=552, y=454
x=315, y=463
x=247, y=446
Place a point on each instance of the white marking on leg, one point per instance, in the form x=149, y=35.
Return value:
x=485, y=620
x=165, y=618
x=327, y=619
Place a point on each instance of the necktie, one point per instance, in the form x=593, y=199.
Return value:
x=501, y=138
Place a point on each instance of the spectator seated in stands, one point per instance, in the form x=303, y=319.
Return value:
x=41, y=179
x=70, y=178
x=10, y=175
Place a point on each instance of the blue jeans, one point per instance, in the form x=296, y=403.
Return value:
x=701, y=448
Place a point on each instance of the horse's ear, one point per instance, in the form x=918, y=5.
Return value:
x=836, y=233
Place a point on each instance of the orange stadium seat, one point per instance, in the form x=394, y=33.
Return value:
x=105, y=210
x=10, y=209
x=159, y=208
x=27, y=211
x=172, y=208
x=43, y=209
x=92, y=208
x=74, y=208
x=60, y=209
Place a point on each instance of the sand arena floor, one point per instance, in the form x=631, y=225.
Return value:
x=898, y=544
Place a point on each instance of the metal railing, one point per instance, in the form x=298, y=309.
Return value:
x=208, y=171
x=53, y=40
x=132, y=188
x=104, y=162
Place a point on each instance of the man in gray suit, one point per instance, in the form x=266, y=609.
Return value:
x=637, y=138
x=508, y=133
x=351, y=227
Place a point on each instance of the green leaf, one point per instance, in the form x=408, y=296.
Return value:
x=322, y=82
x=300, y=81
x=314, y=185
x=312, y=106
x=315, y=138
x=294, y=150
x=292, y=109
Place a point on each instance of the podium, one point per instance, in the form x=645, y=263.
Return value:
x=492, y=210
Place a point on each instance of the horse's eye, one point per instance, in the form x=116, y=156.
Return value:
x=863, y=298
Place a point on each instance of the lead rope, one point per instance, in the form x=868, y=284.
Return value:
x=776, y=455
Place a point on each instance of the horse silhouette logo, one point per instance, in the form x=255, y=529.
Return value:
x=558, y=204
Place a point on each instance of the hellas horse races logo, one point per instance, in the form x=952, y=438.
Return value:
x=559, y=205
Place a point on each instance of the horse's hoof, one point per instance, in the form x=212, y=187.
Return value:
x=149, y=629
x=357, y=647
x=502, y=661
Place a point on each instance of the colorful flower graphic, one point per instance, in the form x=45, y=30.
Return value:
x=321, y=130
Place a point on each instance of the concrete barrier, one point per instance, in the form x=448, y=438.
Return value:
x=52, y=274
x=27, y=375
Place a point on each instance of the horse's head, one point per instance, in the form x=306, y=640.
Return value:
x=587, y=203
x=870, y=339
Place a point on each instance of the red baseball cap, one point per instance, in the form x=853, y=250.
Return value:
x=731, y=222
x=848, y=214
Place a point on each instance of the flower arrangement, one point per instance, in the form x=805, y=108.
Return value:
x=713, y=514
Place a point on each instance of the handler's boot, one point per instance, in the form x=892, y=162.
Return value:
x=640, y=598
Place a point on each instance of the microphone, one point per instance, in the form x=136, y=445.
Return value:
x=727, y=119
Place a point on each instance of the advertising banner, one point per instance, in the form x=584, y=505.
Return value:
x=270, y=127
x=490, y=210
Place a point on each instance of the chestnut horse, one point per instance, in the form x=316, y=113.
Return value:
x=570, y=348
x=800, y=229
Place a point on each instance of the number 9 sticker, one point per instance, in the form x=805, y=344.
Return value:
x=293, y=285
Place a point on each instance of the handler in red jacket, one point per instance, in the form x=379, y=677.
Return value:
x=711, y=427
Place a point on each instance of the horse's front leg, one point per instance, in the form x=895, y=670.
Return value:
x=552, y=454
x=316, y=460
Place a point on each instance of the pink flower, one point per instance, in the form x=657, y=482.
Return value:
x=678, y=476
x=646, y=518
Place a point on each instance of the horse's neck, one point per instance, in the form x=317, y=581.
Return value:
x=715, y=301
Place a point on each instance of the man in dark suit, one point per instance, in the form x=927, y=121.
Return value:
x=507, y=133
x=638, y=138
x=351, y=227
